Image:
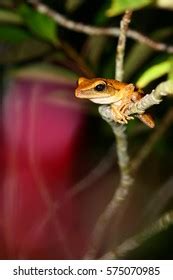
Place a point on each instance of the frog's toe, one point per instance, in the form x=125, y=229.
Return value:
x=130, y=118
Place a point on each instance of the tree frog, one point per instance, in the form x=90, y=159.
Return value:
x=117, y=94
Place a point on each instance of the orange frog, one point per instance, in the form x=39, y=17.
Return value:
x=118, y=94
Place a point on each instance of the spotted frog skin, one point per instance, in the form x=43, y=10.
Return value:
x=117, y=94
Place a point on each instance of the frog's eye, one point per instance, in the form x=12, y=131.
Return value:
x=100, y=87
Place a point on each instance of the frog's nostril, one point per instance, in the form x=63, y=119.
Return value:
x=76, y=93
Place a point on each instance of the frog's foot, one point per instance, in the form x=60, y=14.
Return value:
x=123, y=109
x=124, y=119
x=119, y=115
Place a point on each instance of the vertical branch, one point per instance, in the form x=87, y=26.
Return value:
x=119, y=59
x=119, y=131
x=126, y=179
x=121, y=145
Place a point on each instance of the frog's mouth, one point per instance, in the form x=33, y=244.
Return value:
x=107, y=100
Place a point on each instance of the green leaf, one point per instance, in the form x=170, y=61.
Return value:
x=119, y=6
x=170, y=75
x=72, y=5
x=165, y=4
x=153, y=73
x=9, y=17
x=41, y=25
x=12, y=34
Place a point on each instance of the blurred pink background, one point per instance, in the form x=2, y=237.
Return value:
x=41, y=130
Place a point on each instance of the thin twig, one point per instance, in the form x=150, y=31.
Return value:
x=119, y=58
x=134, y=242
x=97, y=172
x=88, y=181
x=72, y=54
x=159, y=201
x=147, y=147
x=121, y=147
x=96, y=31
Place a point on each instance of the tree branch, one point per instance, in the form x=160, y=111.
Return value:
x=96, y=31
x=134, y=242
x=159, y=201
x=119, y=58
x=121, y=147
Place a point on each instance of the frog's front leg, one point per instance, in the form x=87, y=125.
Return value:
x=118, y=115
x=127, y=94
